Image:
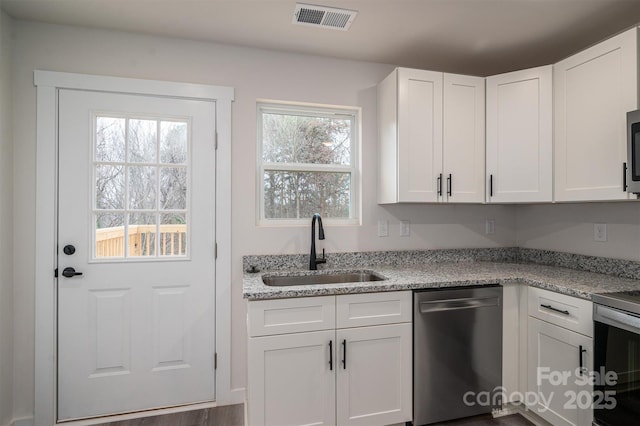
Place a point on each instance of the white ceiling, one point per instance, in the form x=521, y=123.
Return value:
x=480, y=37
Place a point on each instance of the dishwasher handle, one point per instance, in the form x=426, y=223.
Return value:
x=457, y=304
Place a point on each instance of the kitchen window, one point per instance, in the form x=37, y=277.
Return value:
x=308, y=162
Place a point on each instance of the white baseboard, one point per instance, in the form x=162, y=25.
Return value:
x=236, y=396
x=25, y=421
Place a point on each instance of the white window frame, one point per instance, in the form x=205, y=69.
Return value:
x=321, y=110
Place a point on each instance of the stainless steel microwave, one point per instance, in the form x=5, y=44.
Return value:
x=632, y=174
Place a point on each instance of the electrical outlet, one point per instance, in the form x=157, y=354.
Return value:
x=405, y=228
x=383, y=228
x=490, y=227
x=600, y=232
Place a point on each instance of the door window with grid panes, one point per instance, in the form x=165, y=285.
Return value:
x=141, y=186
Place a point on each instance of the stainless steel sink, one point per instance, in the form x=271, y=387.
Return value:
x=330, y=278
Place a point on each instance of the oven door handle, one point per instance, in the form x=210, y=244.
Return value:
x=616, y=318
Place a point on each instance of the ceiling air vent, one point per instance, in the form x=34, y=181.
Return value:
x=322, y=16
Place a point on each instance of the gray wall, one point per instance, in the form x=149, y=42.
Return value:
x=6, y=219
x=569, y=228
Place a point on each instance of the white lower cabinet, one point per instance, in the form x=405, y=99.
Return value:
x=291, y=382
x=558, y=390
x=374, y=384
x=346, y=376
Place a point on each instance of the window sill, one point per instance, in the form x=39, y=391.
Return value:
x=298, y=223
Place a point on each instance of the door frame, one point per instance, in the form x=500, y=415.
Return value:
x=48, y=84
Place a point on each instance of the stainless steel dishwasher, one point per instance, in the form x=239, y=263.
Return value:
x=457, y=351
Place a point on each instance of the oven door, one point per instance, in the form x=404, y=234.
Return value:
x=617, y=350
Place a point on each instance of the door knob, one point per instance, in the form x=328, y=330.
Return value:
x=70, y=272
x=69, y=249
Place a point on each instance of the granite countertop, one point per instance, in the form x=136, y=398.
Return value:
x=572, y=282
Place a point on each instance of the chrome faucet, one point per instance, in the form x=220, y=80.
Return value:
x=313, y=260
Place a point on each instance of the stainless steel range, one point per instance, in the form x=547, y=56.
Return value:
x=616, y=319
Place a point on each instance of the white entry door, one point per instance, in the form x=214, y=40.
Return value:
x=136, y=224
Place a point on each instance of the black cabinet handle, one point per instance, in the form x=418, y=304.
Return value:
x=439, y=184
x=581, y=350
x=330, y=354
x=491, y=185
x=624, y=176
x=344, y=354
x=449, y=185
x=551, y=308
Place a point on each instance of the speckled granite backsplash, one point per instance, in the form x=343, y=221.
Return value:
x=369, y=258
x=602, y=265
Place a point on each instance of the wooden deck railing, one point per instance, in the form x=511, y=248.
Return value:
x=110, y=241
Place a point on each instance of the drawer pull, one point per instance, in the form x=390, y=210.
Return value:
x=551, y=308
x=330, y=354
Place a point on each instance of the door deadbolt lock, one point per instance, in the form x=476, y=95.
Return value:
x=69, y=249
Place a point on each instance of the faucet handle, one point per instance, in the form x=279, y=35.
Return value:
x=323, y=260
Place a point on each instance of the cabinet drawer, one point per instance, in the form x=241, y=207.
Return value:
x=356, y=310
x=280, y=316
x=559, y=309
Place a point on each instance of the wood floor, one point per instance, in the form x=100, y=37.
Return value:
x=233, y=415
x=229, y=415
x=488, y=420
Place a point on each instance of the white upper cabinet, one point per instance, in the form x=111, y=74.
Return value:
x=463, y=139
x=519, y=136
x=410, y=139
x=593, y=91
x=431, y=125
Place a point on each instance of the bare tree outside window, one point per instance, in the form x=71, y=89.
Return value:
x=307, y=162
x=141, y=187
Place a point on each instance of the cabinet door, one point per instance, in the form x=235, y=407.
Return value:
x=593, y=91
x=419, y=135
x=519, y=136
x=463, y=139
x=554, y=356
x=374, y=383
x=291, y=381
